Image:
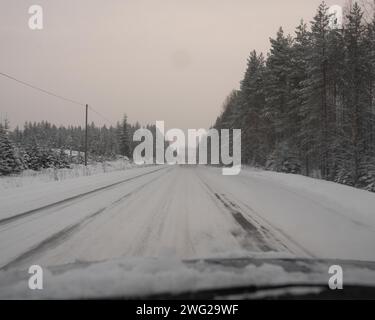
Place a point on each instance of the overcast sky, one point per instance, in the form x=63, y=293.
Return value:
x=172, y=60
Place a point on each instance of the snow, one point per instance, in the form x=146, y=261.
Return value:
x=163, y=214
x=325, y=219
x=357, y=204
x=136, y=277
x=22, y=235
x=42, y=194
x=32, y=178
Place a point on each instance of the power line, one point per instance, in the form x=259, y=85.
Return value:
x=54, y=95
x=101, y=115
x=61, y=98
x=41, y=90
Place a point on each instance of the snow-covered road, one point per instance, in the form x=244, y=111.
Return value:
x=184, y=212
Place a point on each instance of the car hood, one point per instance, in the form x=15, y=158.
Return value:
x=167, y=276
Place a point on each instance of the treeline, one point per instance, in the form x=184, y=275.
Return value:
x=309, y=106
x=44, y=145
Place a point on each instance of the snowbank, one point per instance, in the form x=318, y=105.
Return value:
x=31, y=177
x=356, y=204
x=29, y=197
x=325, y=219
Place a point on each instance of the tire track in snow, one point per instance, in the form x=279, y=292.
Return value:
x=258, y=234
x=254, y=237
x=59, y=237
x=249, y=236
x=59, y=205
x=163, y=232
x=270, y=233
x=153, y=230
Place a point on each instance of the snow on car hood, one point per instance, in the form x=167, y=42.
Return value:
x=139, y=277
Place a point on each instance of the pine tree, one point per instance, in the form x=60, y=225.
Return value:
x=315, y=110
x=298, y=76
x=124, y=137
x=279, y=94
x=355, y=84
x=9, y=162
x=367, y=170
x=256, y=129
x=34, y=157
x=277, y=83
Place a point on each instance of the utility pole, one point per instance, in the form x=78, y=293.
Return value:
x=87, y=111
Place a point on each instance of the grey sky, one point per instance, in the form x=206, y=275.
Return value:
x=172, y=60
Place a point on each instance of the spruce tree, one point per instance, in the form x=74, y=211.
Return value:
x=278, y=94
x=9, y=162
x=298, y=76
x=355, y=90
x=256, y=130
x=124, y=137
x=277, y=83
x=315, y=110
